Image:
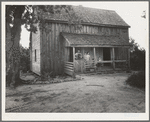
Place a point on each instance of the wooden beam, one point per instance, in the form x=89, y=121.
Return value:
x=111, y=61
x=119, y=60
x=86, y=23
x=104, y=61
x=113, y=58
x=74, y=57
x=75, y=45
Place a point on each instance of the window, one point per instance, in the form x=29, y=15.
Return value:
x=35, y=55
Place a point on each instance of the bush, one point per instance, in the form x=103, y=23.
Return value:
x=137, y=59
x=137, y=80
x=24, y=59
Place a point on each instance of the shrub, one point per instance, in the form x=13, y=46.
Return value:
x=137, y=80
x=24, y=59
x=137, y=59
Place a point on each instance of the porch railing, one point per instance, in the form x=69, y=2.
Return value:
x=122, y=64
x=69, y=68
x=89, y=66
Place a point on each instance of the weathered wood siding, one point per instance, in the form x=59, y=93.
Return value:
x=121, y=53
x=53, y=50
x=36, y=46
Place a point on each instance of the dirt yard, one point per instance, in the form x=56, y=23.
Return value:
x=94, y=93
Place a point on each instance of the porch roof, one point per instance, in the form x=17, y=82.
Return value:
x=90, y=40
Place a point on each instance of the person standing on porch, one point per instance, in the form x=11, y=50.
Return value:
x=85, y=56
x=99, y=64
x=78, y=55
x=88, y=56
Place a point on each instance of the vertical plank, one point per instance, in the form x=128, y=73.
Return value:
x=84, y=29
x=41, y=35
x=95, y=61
x=47, y=52
x=113, y=57
x=70, y=31
x=83, y=52
x=90, y=29
x=62, y=52
x=129, y=58
x=72, y=27
x=52, y=47
x=49, y=46
x=55, y=54
x=96, y=30
x=87, y=29
x=57, y=47
x=93, y=30
x=51, y=50
x=74, y=57
x=94, y=53
x=43, y=41
x=67, y=53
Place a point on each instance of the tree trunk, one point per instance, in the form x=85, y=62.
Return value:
x=15, y=65
x=13, y=56
x=8, y=45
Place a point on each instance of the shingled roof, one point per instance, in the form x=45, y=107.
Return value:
x=94, y=40
x=91, y=16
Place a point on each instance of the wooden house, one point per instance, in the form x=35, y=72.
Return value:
x=103, y=33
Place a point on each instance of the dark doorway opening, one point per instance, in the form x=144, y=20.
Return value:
x=71, y=54
x=106, y=56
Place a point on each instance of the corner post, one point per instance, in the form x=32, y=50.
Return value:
x=94, y=58
x=94, y=53
x=129, y=58
x=113, y=58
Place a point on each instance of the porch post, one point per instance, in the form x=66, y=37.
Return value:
x=74, y=61
x=82, y=62
x=94, y=58
x=129, y=58
x=94, y=53
x=113, y=58
x=73, y=54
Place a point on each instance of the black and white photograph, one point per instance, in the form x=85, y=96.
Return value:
x=77, y=60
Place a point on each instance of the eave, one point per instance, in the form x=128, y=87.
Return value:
x=86, y=23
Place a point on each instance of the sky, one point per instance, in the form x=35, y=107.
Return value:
x=130, y=12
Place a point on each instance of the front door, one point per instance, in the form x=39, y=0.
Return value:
x=106, y=55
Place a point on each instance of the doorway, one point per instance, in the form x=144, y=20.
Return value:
x=106, y=56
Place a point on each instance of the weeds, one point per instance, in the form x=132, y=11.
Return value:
x=137, y=79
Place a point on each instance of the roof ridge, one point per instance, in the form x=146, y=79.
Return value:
x=92, y=8
x=91, y=16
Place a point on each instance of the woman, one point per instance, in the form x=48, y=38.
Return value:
x=99, y=64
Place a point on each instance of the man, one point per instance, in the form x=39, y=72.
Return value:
x=99, y=64
x=85, y=56
x=78, y=55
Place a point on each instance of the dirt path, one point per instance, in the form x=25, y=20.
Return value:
x=95, y=93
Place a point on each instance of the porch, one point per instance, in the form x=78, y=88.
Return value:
x=113, y=56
